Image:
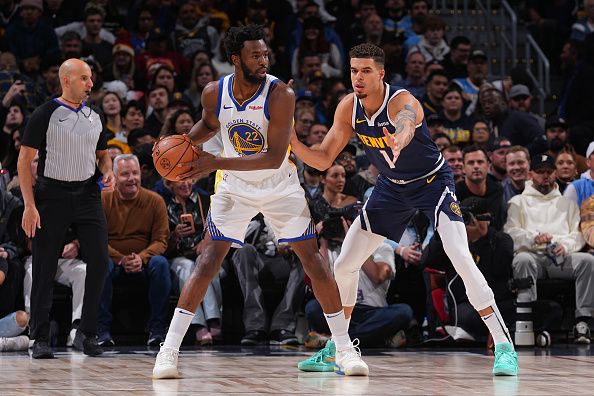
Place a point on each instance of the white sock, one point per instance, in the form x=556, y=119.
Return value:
x=496, y=326
x=178, y=327
x=339, y=327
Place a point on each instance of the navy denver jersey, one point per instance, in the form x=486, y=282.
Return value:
x=418, y=159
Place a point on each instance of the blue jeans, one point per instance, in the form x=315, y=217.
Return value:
x=371, y=325
x=156, y=272
x=9, y=326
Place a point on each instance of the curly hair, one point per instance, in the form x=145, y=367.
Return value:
x=237, y=35
x=368, y=51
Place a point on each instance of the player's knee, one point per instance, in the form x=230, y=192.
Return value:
x=22, y=318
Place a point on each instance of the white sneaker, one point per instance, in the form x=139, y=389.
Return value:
x=19, y=343
x=458, y=333
x=70, y=339
x=349, y=362
x=166, y=363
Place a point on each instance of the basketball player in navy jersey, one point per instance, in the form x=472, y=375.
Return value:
x=253, y=111
x=389, y=122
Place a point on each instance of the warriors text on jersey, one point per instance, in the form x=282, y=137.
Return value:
x=244, y=126
x=416, y=161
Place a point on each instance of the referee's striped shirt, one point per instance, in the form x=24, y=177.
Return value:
x=67, y=139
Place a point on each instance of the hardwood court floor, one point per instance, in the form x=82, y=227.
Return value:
x=251, y=371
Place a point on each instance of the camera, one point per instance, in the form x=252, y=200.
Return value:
x=332, y=225
x=516, y=284
x=469, y=215
x=332, y=221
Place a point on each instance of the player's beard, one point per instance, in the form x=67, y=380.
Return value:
x=248, y=75
x=361, y=95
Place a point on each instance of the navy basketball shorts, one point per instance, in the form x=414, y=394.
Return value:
x=391, y=206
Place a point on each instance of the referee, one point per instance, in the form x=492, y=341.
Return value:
x=69, y=137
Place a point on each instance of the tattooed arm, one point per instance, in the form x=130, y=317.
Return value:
x=409, y=114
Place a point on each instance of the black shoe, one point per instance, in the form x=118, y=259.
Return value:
x=283, y=337
x=155, y=339
x=104, y=339
x=42, y=350
x=87, y=344
x=254, y=337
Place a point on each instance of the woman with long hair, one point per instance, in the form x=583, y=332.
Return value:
x=164, y=76
x=202, y=74
x=112, y=105
x=178, y=123
x=456, y=124
x=566, y=168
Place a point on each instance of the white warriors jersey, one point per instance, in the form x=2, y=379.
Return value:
x=244, y=126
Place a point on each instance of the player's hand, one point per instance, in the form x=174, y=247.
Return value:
x=395, y=143
x=203, y=166
x=70, y=250
x=31, y=221
x=108, y=181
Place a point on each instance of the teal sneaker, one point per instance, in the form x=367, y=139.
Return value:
x=506, y=360
x=321, y=361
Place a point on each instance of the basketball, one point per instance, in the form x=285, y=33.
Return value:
x=169, y=152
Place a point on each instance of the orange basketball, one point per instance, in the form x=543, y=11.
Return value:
x=170, y=151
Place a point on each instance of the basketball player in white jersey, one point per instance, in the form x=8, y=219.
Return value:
x=254, y=113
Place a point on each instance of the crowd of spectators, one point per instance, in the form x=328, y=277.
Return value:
x=524, y=179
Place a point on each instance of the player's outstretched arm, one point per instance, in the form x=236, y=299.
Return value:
x=208, y=126
x=408, y=114
x=322, y=156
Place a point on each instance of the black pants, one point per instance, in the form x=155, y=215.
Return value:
x=62, y=205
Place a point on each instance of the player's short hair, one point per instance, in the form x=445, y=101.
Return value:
x=368, y=51
x=472, y=149
x=237, y=35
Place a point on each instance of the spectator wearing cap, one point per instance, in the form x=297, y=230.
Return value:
x=520, y=128
x=456, y=61
x=477, y=184
x=123, y=67
x=545, y=228
x=432, y=45
x=584, y=27
x=193, y=33
x=313, y=41
x=415, y=72
x=520, y=99
x=477, y=69
x=557, y=134
x=517, y=166
x=456, y=124
x=30, y=38
x=497, y=151
x=436, y=84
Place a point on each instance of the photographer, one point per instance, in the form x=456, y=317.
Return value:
x=492, y=251
x=333, y=212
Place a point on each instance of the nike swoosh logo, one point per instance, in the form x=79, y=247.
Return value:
x=62, y=120
x=225, y=107
x=184, y=313
x=357, y=121
x=429, y=180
